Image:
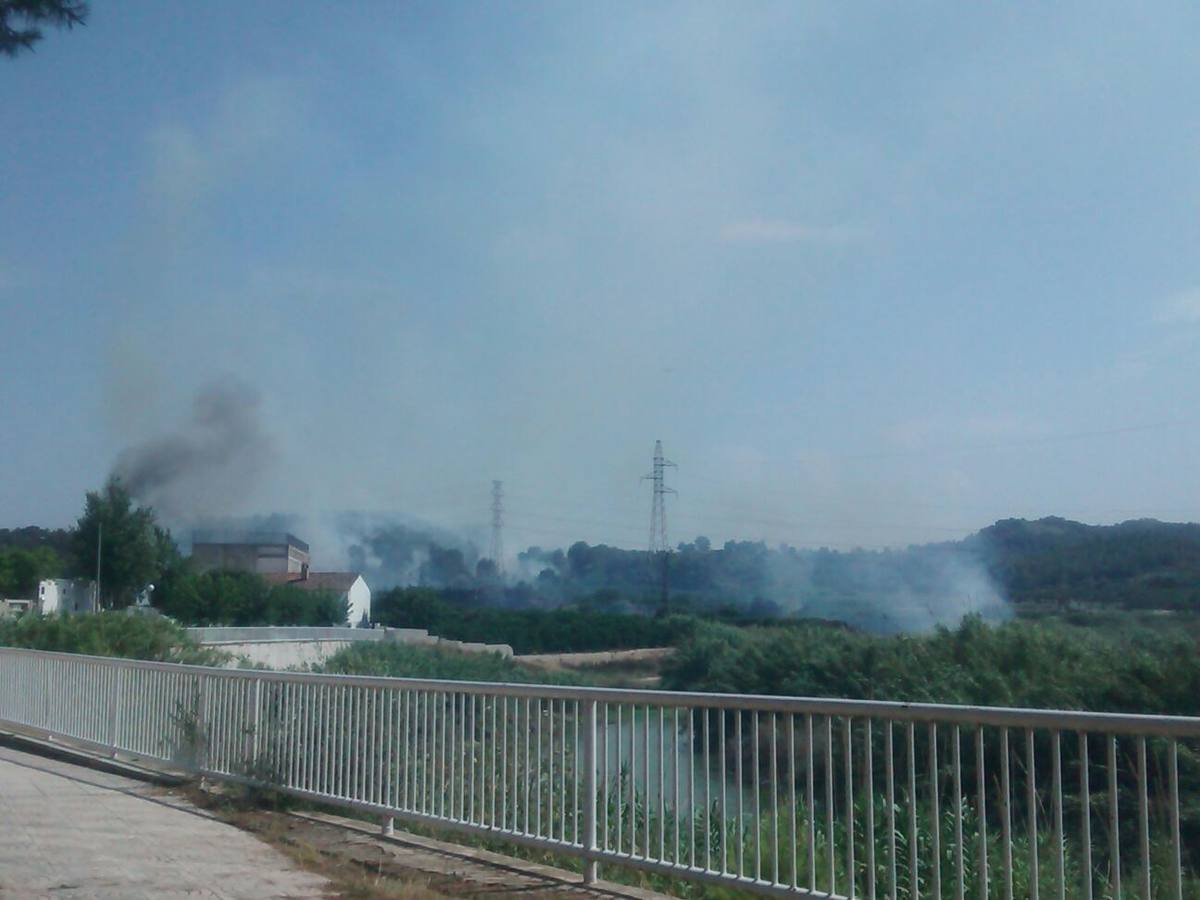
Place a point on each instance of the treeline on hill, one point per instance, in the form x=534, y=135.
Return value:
x=1140, y=564
x=27, y=555
x=21, y=570
x=1054, y=562
x=1050, y=563
x=59, y=540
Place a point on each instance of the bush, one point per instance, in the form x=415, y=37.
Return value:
x=394, y=660
x=243, y=598
x=107, y=634
x=1016, y=664
x=563, y=630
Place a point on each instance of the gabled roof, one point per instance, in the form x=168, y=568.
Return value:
x=337, y=582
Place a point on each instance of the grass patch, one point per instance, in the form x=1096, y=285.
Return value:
x=395, y=660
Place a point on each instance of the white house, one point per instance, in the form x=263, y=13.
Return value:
x=348, y=586
x=63, y=595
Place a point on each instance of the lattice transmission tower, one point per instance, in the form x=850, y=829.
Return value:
x=660, y=547
x=497, y=548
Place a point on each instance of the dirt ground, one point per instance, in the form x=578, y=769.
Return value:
x=364, y=865
x=639, y=668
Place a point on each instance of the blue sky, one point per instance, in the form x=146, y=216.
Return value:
x=874, y=275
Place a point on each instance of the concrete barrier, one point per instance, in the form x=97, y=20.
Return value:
x=287, y=647
x=222, y=634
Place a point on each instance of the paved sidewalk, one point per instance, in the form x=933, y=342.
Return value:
x=70, y=832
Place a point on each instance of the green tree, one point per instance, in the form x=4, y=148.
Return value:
x=224, y=597
x=21, y=570
x=133, y=550
x=21, y=21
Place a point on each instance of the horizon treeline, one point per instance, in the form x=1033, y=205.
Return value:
x=1048, y=564
x=1045, y=564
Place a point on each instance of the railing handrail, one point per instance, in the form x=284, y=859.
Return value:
x=998, y=716
x=740, y=788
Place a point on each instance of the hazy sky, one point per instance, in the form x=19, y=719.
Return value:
x=873, y=273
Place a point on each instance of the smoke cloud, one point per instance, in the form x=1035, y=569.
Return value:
x=200, y=475
x=387, y=549
x=890, y=591
x=390, y=552
x=209, y=466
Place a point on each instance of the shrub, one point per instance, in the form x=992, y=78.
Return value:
x=107, y=634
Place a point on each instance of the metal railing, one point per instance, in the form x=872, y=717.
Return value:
x=776, y=795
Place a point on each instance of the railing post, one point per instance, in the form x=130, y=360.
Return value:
x=255, y=723
x=201, y=735
x=114, y=707
x=45, y=712
x=590, y=788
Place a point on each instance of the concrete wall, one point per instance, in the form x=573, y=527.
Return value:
x=282, y=654
x=225, y=634
x=283, y=647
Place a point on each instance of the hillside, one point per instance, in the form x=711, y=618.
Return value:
x=1054, y=562
x=1140, y=564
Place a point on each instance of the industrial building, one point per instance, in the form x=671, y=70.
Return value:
x=263, y=552
x=281, y=558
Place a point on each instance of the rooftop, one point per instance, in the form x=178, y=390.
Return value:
x=338, y=582
x=257, y=538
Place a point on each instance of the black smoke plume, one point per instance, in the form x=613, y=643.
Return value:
x=208, y=466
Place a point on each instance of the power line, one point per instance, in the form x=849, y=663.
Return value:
x=735, y=518
x=660, y=546
x=737, y=521
x=497, y=549
x=658, y=508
